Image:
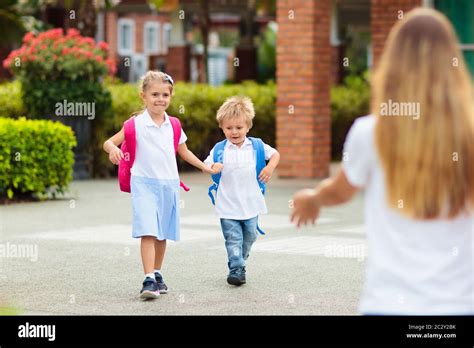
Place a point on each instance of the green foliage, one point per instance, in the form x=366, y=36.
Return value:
x=54, y=67
x=348, y=102
x=11, y=102
x=196, y=106
x=35, y=157
x=266, y=54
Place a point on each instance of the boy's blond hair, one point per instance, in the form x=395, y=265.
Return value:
x=428, y=162
x=235, y=107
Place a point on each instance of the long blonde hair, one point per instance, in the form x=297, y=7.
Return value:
x=428, y=160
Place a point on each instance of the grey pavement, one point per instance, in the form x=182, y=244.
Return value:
x=75, y=255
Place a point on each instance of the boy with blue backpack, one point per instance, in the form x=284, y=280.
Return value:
x=239, y=185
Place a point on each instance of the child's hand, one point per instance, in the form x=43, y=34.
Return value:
x=217, y=167
x=305, y=207
x=266, y=174
x=115, y=155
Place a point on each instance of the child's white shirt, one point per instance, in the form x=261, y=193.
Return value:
x=155, y=156
x=413, y=266
x=239, y=196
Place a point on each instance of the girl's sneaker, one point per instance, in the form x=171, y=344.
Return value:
x=150, y=289
x=161, y=284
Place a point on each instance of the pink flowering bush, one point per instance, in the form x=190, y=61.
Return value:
x=53, y=55
x=54, y=68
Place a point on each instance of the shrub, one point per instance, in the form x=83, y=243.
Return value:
x=348, y=102
x=53, y=67
x=11, y=103
x=35, y=157
x=196, y=106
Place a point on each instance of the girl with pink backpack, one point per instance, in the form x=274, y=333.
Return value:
x=148, y=169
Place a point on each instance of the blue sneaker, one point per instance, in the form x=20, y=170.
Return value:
x=236, y=277
x=150, y=289
x=161, y=284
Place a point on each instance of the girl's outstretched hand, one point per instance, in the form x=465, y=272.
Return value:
x=305, y=207
x=115, y=155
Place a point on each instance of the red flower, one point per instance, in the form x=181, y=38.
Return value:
x=73, y=32
x=103, y=46
x=28, y=37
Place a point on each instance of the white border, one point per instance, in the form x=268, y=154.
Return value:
x=156, y=26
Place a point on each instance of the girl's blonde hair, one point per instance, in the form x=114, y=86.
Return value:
x=234, y=107
x=428, y=162
x=150, y=77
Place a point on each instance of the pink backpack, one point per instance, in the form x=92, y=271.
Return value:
x=128, y=148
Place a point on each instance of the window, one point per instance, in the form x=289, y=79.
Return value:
x=151, y=37
x=126, y=36
x=166, y=37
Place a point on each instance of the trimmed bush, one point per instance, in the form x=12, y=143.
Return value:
x=36, y=157
x=348, y=102
x=196, y=106
x=11, y=102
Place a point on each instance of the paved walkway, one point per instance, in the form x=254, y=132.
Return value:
x=77, y=257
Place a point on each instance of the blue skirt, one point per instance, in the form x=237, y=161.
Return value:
x=155, y=208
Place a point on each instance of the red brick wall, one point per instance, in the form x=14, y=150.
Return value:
x=303, y=78
x=111, y=33
x=383, y=14
x=178, y=63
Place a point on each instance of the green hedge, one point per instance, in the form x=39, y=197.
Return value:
x=348, y=101
x=11, y=103
x=36, y=157
x=196, y=106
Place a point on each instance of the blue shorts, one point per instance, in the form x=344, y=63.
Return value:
x=155, y=208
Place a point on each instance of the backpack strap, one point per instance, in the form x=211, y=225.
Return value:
x=176, y=136
x=257, y=144
x=218, y=157
x=131, y=139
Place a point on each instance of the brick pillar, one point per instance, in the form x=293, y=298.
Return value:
x=383, y=15
x=303, y=78
x=177, y=65
x=111, y=33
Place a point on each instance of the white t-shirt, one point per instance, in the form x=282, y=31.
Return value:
x=414, y=266
x=155, y=156
x=239, y=196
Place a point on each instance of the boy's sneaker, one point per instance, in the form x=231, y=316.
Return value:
x=161, y=284
x=150, y=289
x=236, y=277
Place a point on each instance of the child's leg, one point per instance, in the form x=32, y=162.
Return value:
x=148, y=253
x=160, y=248
x=232, y=230
x=250, y=236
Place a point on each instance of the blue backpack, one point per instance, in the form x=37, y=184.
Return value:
x=218, y=157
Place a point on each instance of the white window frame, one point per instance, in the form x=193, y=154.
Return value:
x=122, y=50
x=156, y=49
x=165, y=34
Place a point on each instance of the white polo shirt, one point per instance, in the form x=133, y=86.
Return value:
x=155, y=156
x=414, y=267
x=239, y=196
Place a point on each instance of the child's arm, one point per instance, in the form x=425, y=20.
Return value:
x=331, y=191
x=111, y=147
x=267, y=172
x=189, y=157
